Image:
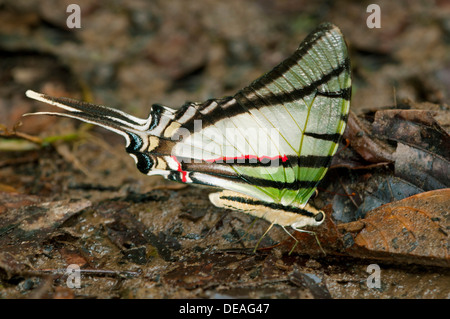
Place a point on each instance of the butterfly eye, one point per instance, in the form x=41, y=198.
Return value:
x=319, y=217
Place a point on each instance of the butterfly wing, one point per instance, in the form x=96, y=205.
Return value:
x=273, y=140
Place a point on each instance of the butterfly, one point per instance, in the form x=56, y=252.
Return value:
x=266, y=147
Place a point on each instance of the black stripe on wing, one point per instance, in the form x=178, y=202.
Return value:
x=249, y=97
x=342, y=94
x=300, y=93
x=89, y=108
x=334, y=137
x=309, y=161
x=254, y=181
x=274, y=206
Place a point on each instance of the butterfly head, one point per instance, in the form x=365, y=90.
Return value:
x=315, y=219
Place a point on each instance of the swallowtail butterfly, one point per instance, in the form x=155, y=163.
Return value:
x=267, y=146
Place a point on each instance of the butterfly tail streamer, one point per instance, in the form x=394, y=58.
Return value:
x=138, y=133
x=108, y=118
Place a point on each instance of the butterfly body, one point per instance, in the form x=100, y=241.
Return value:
x=267, y=146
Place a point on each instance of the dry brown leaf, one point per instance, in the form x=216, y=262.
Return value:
x=416, y=227
x=421, y=168
x=417, y=128
x=371, y=149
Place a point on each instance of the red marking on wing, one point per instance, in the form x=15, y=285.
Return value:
x=224, y=159
x=183, y=173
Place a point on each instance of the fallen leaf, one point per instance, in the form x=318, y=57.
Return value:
x=416, y=128
x=390, y=189
x=364, y=143
x=422, y=168
x=415, y=229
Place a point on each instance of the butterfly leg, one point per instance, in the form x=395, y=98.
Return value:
x=296, y=241
x=311, y=233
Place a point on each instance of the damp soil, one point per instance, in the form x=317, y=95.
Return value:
x=168, y=241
